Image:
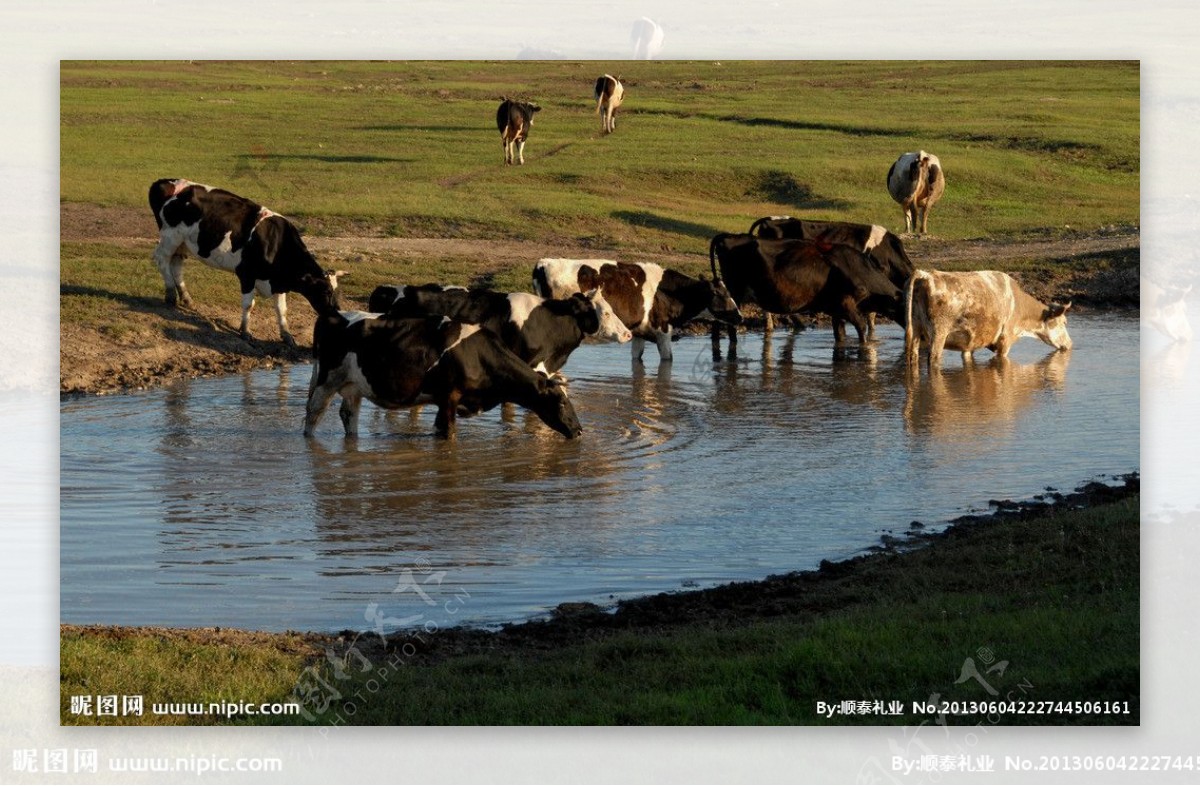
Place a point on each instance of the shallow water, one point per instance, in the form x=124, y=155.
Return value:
x=201, y=504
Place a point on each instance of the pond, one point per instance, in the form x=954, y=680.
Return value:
x=201, y=504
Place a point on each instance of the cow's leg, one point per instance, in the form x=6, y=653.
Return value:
x=164, y=256
x=447, y=415
x=839, y=331
x=319, y=397
x=768, y=322
x=925, y=218
x=936, y=344
x=716, y=341
x=665, y=353
x=638, y=346
x=871, y=326
x=348, y=412
x=280, y=299
x=520, y=151
x=185, y=298
x=247, y=304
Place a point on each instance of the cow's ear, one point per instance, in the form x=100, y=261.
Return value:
x=703, y=278
x=535, y=107
x=1055, y=310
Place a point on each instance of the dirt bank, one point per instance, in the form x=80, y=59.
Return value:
x=147, y=343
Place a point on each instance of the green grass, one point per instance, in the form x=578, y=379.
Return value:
x=1055, y=596
x=174, y=667
x=411, y=149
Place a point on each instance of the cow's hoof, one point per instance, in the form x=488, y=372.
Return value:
x=291, y=342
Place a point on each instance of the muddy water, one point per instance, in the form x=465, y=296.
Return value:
x=201, y=504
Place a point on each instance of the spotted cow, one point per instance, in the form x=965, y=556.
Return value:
x=228, y=232
x=513, y=119
x=917, y=182
x=649, y=299
x=404, y=362
x=983, y=309
x=542, y=332
x=609, y=93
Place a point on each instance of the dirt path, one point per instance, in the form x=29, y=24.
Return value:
x=152, y=344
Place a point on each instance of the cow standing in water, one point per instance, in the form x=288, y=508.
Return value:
x=513, y=119
x=228, y=232
x=985, y=309
x=609, y=94
x=404, y=362
x=916, y=182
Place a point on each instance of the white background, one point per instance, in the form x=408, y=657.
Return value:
x=34, y=37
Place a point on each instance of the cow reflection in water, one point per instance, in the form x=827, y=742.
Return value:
x=977, y=401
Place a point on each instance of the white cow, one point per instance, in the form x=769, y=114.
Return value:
x=916, y=181
x=985, y=309
x=609, y=93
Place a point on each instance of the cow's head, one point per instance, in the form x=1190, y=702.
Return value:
x=1053, y=327
x=722, y=306
x=604, y=323
x=554, y=408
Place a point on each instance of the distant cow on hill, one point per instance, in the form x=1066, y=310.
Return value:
x=228, y=232
x=513, y=119
x=916, y=181
x=609, y=94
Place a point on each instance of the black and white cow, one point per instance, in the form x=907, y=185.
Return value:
x=609, y=93
x=404, y=362
x=883, y=248
x=541, y=331
x=232, y=233
x=513, y=119
x=791, y=276
x=648, y=299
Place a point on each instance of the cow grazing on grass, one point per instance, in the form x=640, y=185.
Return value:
x=228, y=232
x=404, y=362
x=792, y=276
x=650, y=301
x=541, y=332
x=609, y=94
x=513, y=119
x=882, y=247
x=984, y=309
x=916, y=181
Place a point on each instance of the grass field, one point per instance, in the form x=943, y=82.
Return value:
x=411, y=149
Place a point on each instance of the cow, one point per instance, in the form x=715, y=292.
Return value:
x=233, y=233
x=403, y=362
x=882, y=247
x=646, y=38
x=916, y=181
x=513, y=119
x=984, y=309
x=1164, y=308
x=649, y=299
x=609, y=93
x=792, y=276
x=541, y=332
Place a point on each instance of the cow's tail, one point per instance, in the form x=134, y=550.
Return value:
x=600, y=93
x=712, y=254
x=758, y=225
x=909, y=335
